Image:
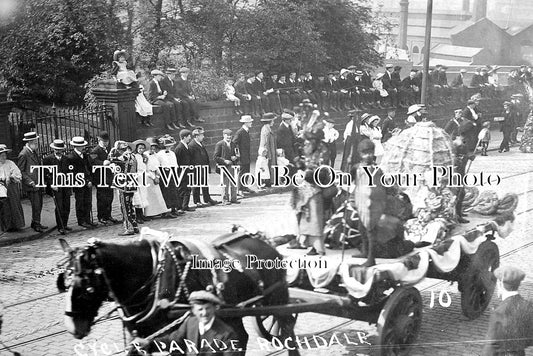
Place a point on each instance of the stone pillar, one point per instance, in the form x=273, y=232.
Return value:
x=122, y=103
x=5, y=128
x=404, y=15
x=480, y=10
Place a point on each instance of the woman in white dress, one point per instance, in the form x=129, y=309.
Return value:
x=369, y=128
x=140, y=197
x=156, y=203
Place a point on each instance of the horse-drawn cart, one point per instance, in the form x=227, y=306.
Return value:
x=385, y=294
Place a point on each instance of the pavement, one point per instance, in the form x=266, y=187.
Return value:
x=48, y=218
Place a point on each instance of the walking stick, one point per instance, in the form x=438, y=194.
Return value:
x=279, y=102
x=59, y=212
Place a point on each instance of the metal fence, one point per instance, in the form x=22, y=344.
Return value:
x=59, y=123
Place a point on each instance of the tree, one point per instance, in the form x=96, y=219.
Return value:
x=55, y=46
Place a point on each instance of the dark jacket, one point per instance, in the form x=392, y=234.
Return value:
x=153, y=91
x=240, y=88
x=27, y=159
x=452, y=127
x=168, y=84
x=80, y=165
x=458, y=81
x=388, y=84
x=477, y=80
x=182, y=88
x=199, y=155
x=285, y=139
x=189, y=330
x=102, y=154
x=183, y=155
x=222, y=153
x=242, y=142
x=61, y=164
x=510, y=328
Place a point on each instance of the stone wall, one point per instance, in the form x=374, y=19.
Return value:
x=219, y=115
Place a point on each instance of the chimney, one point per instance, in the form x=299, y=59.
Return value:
x=480, y=10
x=404, y=14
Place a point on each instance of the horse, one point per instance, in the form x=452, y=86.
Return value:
x=131, y=274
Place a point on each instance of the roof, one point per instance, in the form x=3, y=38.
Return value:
x=458, y=51
x=449, y=63
x=515, y=28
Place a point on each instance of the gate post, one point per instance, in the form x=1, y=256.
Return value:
x=5, y=128
x=122, y=102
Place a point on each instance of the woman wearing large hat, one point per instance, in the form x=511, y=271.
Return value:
x=369, y=128
x=156, y=203
x=120, y=69
x=11, y=213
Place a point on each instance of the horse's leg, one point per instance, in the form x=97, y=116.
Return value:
x=287, y=323
x=238, y=327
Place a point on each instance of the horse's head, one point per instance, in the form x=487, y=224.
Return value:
x=86, y=289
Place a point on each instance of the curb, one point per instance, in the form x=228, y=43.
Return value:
x=11, y=240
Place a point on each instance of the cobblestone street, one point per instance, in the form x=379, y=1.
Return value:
x=33, y=322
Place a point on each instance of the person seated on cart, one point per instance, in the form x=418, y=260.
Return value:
x=511, y=324
x=381, y=233
x=435, y=219
x=201, y=334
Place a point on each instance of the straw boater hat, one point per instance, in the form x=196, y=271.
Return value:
x=246, y=118
x=118, y=53
x=412, y=109
x=365, y=117
x=184, y=70
x=286, y=116
x=3, y=148
x=58, y=145
x=156, y=72
x=374, y=118
x=380, y=75
x=78, y=141
x=268, y=117
x=30, y=136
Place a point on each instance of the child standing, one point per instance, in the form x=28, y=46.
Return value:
x=484, y=138
x=330, y=137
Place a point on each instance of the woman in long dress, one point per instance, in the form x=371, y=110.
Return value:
x=140, y=197
x=371, y=130
x=156, y=203
x=307, y=199
x=11, y=213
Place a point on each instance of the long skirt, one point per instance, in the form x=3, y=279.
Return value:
x=128, y=212
x=170, y=194
x=311, y=221
x=11, y=213
x=156, y=202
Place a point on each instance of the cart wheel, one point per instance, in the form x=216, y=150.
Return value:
x=478, y=280
x=268, y=327
x=399, y=322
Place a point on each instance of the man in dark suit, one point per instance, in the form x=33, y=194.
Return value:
x=61, y=195
x=199, y=157
x=204, y=329
x=259, y=92
x=158, y=96
x=272, y=92
x=477, y=79
x=471, y=114
x=389, y=125
x=168, y=84
x=226, y=155
x=242, y=143
x=452, y=126
x=390, y=85
x=27, y=158
x=78, y=162
x=285, y=138
x=183, y=90
x=511, y=324
x=104, y=195
x=184, y=158
x=242, y=93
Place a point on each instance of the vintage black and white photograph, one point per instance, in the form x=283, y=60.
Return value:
x=266, y=177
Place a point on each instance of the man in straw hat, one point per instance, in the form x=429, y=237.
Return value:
x=226, y=156
x=242, y=143
x=267, y=140
x=27, y=158
x=78, y=163
x=511, y=324
x=203, y=332
x=61, y=195
x=104, y=194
